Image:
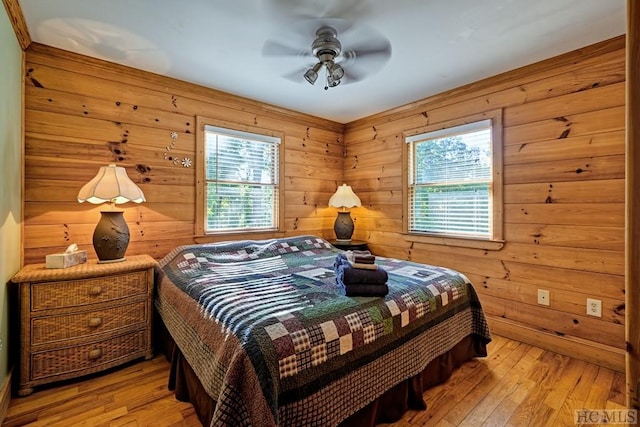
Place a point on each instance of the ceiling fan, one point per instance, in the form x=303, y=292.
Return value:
x=364, y=52
x=326, y=47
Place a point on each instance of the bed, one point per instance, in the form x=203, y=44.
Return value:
x=258, y=334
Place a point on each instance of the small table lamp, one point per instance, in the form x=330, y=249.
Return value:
x=344, y=197
x=112, y=185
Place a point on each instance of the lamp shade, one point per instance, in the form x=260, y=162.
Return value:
x=111, y=235
x=111, y=184
x=344, y=197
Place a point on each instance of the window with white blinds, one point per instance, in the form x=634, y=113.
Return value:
x=450, y=184
x=241, y=184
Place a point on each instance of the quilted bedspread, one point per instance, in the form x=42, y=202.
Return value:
x=274, y=342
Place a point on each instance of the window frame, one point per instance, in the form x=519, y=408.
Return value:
x=201, y=217
x=495, y=240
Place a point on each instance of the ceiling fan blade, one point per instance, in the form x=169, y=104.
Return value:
x=366, y=58
x=375, y=55
x=358, y=67
x=296, y=9
x=368, y=64
x=379, y=42
x=307, y=27
x=352, y=75
x=275, y=48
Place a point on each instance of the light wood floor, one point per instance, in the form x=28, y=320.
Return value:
x=516, y=385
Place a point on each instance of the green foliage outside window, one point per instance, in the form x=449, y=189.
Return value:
x=241, y=183
x=450, y=188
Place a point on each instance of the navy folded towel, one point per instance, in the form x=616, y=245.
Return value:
x=350, y=275
x=359, y=276
x=360, y=290
x=361, y=257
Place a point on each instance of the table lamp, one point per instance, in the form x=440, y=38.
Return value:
x=344, y=198
x=111, y=185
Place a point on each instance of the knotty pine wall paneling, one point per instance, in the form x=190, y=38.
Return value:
x=83, y=113
x=564, y=126
x=564, y=195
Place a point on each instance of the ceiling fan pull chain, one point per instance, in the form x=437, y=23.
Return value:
x=326, y=85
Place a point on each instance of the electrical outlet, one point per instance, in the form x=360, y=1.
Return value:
x=594, y=307
x=543, y=297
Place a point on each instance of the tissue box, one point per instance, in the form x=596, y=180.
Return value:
x=66, y=259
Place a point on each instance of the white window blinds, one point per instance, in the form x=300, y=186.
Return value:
x=450, y=181
x=241, y=174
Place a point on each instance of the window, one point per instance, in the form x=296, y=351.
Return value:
x=454, y=182
x=238, y=180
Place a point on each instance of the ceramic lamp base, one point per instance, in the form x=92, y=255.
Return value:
x=111, y=237
x=343, y=227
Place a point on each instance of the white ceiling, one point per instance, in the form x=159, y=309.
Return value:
x=436, y=44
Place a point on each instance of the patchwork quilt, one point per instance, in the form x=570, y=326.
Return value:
x=274, y=342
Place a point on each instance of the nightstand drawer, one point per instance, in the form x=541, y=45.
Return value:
x=68, y=293
x=77, y=325
x=88, y=357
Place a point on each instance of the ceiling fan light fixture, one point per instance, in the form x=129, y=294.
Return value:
x=335, y=70
x=331, y=82
x=311, y=75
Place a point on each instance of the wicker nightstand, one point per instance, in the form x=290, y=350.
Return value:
x=83, y=319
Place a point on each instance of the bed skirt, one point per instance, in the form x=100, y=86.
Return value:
x=389, y=407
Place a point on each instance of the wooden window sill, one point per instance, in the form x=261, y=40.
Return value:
x=489, y=245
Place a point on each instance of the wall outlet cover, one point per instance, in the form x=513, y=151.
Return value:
x=594, y=307
x=543, y=297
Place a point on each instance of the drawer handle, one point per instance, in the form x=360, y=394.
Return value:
x=94, y=322
x=95, y=354
x=95, y=291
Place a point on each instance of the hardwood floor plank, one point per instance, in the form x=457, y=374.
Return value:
x=160, y=413
x=515, y=385
x=503, y=412
x=457, y=388
x=94, y=418
x=599, y=392
x=478, y=389
x=576, y=398
x=509, y=383
x=618, y=389
x=534, y=410
x=565, y=384
x=581, y=391
x=563, y=387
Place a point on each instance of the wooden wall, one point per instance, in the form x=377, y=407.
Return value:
x=564, y=163
x=564, y=193
x=83, y=113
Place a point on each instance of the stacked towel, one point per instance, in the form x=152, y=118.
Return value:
x=357, y=278
x=361, y=257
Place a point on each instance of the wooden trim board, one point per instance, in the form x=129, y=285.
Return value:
x=632, y=246
x=5, y=396
x=19, y=24
x=599, y=354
